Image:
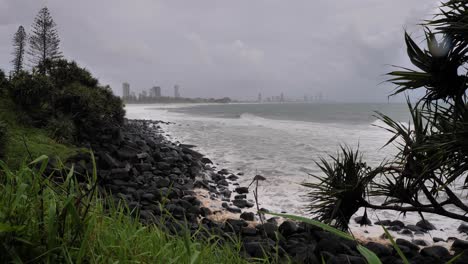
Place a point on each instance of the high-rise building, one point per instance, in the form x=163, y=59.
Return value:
x=176, y=91
x=156, y=91
x=281, y=99
x=259, y=99
x=125, y=90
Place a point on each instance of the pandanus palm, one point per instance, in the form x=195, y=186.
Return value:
x=432, y=152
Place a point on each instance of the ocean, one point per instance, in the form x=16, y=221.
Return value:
x=282, y=142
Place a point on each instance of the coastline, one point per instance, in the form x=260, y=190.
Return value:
x=200, y=199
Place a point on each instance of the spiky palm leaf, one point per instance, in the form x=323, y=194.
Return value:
x=337, y=194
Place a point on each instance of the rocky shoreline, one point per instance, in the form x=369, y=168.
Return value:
x=175, y=187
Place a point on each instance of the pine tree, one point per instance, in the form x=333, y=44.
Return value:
x=19, y=44
x=44, y=41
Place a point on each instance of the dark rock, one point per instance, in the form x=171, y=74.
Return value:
x=240, y=173
x=205, y=160
x=397, y=223
x=162, y=182
x=142, y=155
x=406, y=232
x=126, y=153
x=394, y=228
x=379, y=249
x=383, y=222
x=303, y=253
x=270, y=229
x=415, y=228
x=148, y=196
x=438, y=239
x=223, y=172
x=242, y=203
x=109, y=161
x=287, y=228
x=420, y=242
x=163, y=165
x=460, y=244
x=232, y=177
x=256, y=249
x=437, y=252
x=342, y=258
x=240, y=197
x=426, y=225
x=248, y=216
x=234, y=225
x=242, y=190
x=333, y=245
x=406, y=243
x=205, y=211
x=363, y=220
x=142, y=167
x=463, y=228
x=223, y=183
x=225, y=205
x=119, y=174
x=248, y=231
x=234, y=210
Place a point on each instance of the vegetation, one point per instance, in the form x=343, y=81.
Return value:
x=432, y=158
x=42, y=221
x=19, y=44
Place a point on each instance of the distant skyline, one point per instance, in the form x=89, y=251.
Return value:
x=238, y=49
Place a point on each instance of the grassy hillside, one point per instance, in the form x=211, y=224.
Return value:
x=24, y=143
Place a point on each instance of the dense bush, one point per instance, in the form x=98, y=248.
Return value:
x=3, y=137
x=3, y=82
x=68, y=101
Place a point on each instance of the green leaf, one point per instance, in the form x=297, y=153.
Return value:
x=5, y=228
x=397, y=248
x=316, y=223
x=40, y=159
x=369, y=255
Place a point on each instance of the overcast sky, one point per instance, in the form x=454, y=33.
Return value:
x=217, y=48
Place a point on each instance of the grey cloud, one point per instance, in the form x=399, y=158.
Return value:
x=231, y=48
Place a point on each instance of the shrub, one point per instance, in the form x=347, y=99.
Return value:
x=3, y=138
x=62, y=129
x=33, y=94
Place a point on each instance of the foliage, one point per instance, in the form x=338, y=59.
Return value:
x=19, y=44
x=44, y=40
x=3, y=139
x=338, y=194
x=43, y=221
x=3, y=82
x=366, y=253
x=432, y=158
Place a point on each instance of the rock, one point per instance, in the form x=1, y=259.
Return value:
x=426, y=225
x=420, y=242
x=240, y=173
x=119, y=174
x=223, y=183
x=109, y=161
x=232, y=177
x=256, y=249
x=205, y=211
x=126, y=153
x=223, y=172
x=234, y=225
x=163, y=165
x=242, y=203
x=287, y=228
x=248, y=231
x=460, y=244
x=162, y=182
x=406, y=232
x=343, y=258
x=248, y=216
x=270, y=229
x=242, y=190
x=438, y=239
x=379, y=249
x=205, y=160
x=142, y=155
x=142, y=167
x=233, y=209
x=437, y=252
x=363, y=220
x=148, y=196
x=406, y=243
x=415, y=228
x=225, y=205
x=397, y=223
x=394, y=228
x=463, y=228
x=383, y=222
x=240, y=197
x=333, y=245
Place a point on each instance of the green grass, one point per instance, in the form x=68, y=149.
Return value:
x=24, y=142
x=43, y=222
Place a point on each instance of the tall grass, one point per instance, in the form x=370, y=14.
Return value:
x=43, y=221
